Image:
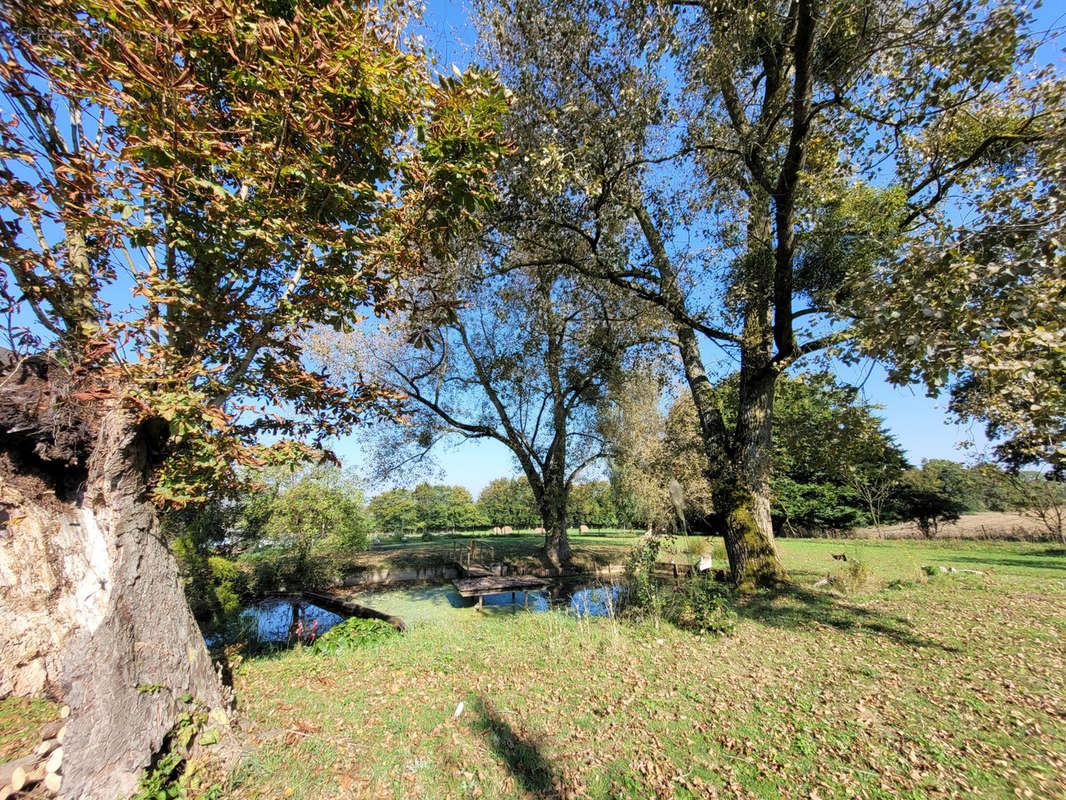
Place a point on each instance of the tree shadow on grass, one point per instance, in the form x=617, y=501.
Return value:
x=1036, y=560
x=519, y=752
x=798, y=608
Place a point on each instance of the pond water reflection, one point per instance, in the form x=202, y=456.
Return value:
x=597, y=601
x=278, y=620
x=442, y=602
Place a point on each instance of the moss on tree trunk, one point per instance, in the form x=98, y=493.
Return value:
x=753, y=557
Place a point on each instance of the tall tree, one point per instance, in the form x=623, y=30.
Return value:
x=395, y=511
x=523, y=359
x=313, y=512
x=442, y=508
x=508, y=501
x=185, y=188
x=751, y=158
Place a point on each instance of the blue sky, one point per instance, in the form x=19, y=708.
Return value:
x=920, y=424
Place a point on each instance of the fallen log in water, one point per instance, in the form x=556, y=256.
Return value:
x=341, y=606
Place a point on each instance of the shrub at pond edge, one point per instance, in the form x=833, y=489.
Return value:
x=352, y=634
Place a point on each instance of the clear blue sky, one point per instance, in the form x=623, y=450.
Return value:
x=920, y=424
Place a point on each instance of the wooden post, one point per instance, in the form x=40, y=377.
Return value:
x=480, y=598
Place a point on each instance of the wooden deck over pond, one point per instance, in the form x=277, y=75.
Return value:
x=497, y=584
x=472, y=558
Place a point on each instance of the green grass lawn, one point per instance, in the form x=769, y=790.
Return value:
x=909, y=687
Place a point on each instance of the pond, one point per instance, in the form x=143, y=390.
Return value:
x=276, y=620
x=441, y=603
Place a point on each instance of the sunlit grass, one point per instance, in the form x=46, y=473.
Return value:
x=912, y=687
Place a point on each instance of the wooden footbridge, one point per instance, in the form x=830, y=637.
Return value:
x=477, y=579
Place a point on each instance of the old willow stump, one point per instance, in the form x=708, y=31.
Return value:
x=89, y=591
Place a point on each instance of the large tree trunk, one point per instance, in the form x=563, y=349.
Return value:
x=94, y=611
x=551, y=502
x=739, y=464
x=742, y=493
x=556, y=542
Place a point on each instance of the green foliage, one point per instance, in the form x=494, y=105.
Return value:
x=592, y=503
x=272, y=183
x=296, y=529
x=312, y=512
x=950, y=479
x=353, y=634
x=230, y=580
x=274, y=568
x=640, y=561
x=172, y=775
x=701, y=605
x=443, y=508
x=508, y=501
x=815, y=507
x=857, y=228
x=215, y=586
x=697, y=603
x=856, y=575
x=924, y=499
x=833, y=459
x=826, y=433
x=394, y=511
x=697, y=546
x=976, y=308
x=158, y=782
x=427, y=508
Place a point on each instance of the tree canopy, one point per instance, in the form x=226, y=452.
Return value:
x=186, y=190
x=753, y=169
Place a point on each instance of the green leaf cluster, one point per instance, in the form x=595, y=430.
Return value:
x=353, y=634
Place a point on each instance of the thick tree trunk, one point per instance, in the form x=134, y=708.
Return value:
x=557, y=547
x=90, y=593
x=551, y=502
x=742, y=493
x=739, y=464
x=556, y=542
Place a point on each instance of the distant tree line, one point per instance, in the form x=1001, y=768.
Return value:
x=503, y=502
x=835, y=468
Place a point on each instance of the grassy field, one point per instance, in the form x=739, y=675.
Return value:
x=910, y=686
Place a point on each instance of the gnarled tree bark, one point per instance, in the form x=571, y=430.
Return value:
x=90, y=591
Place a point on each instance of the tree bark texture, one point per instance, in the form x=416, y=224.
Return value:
x=90, y=592
x=552, y=504
x=739, y=461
